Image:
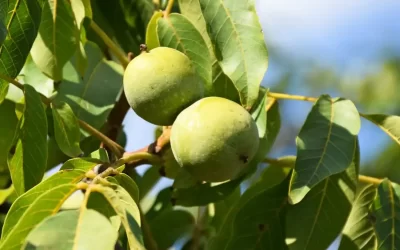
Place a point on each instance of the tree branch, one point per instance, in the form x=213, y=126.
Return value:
x=291, y=97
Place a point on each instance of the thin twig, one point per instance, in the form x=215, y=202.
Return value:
x=292, y=97
x=110, y=44
x=361, y=178
x=114, y=147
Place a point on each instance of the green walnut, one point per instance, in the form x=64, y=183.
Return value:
x=214, y=139
x=161, y=83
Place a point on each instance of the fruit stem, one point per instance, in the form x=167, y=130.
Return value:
x=168, y=8
x=110, y=44
x=361, y=178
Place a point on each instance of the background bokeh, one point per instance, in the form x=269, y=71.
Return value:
x=342, y=48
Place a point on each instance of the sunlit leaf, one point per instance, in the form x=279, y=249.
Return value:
x=319, y=218
x=31, y=74
x=221, y=84
x=47, y=204
x=22, y=23
x=239, y=44
x=66, y=129
x=28, y=164
x=100, y=154
x=93, y=96
x=149, y=179
x=258, y=222
x=128, y=211
x=151, y=31
x=57, y=40
x=325, y=144
x=84, y=164
x=170, y=226
x=22, y=203
x=178, y=32
x=80, y=230
x=359, y=229
x=4, y=86
x=5, y=193
x=390, y=124
x=386, y=210
x=81, y=9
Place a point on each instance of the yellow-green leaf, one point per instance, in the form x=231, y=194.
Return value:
x=47, y=204
x=81, y=229
x=151, y=31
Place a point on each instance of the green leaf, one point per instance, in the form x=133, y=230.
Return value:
x=81, y=9
x=147, y=182
x=325, y=144
x=22, y=203
x=80, y=230
x=92, y=97
x=386, y=209
x=319, y=218
x=359, y=229
x=203, y=194
x=184, y=179
x=57, y=40
x=3, y=16
x=170, y=226
x=3, y=90
x=160, y=205
x=7, y=131
x=66, y=129
x=152, y=40
x=390, y=124
x=266, y=142
x=47, y=204
x=100, y=154
x=258, y=222
x=239, y=44
x=129, y=185
x=28, y=164
x=221, y=84
x=22, y=23
x=223, y=207
x=99, y=203
x=258, y=112
x=128, y=211
x=84, y=164
x=178, y=32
